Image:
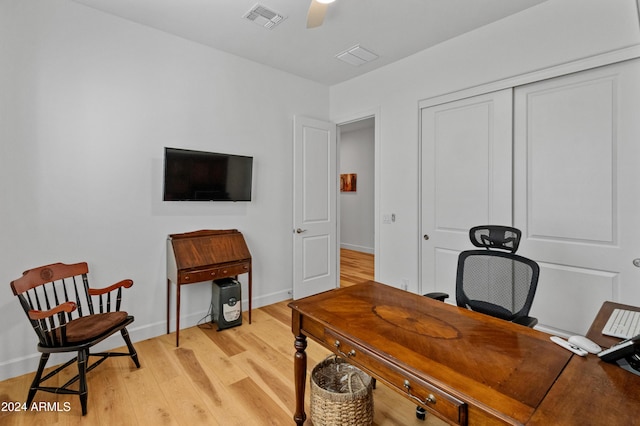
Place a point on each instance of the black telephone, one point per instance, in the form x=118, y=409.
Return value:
x=626, y=354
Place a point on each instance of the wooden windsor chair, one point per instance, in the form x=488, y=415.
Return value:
x=60, y=306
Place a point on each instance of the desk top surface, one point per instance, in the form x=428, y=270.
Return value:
x=471, y=355
x=591, y=391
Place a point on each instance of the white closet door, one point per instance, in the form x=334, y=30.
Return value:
x=576, y=191
x=466, y=179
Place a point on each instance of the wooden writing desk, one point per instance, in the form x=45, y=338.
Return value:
x=205, y=255
x=462, y=366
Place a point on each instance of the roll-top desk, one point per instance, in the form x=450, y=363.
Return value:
x=204, y=255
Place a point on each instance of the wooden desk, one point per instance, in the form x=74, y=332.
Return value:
x=460, y=365
x=205, y=255
x=590, y=391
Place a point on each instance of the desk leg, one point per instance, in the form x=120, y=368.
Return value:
x=177, y=315
x=250, y=295
x=300, y=373
x=168, y=301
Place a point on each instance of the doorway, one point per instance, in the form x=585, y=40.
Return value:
x=357, y=200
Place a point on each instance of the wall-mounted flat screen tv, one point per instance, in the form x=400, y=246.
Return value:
x=206, y=176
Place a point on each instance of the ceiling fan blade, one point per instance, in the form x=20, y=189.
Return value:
x=316, y=14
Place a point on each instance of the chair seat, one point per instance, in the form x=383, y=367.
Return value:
x=89, y=327
x=491, y=309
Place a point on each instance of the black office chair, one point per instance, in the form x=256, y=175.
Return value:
x=494, y=280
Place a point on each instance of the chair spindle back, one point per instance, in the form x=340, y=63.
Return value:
x=42, y=289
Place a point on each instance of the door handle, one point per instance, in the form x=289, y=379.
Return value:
x=300, y=231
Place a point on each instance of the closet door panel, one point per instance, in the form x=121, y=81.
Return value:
x=466, y=179
x=576, y=194
x=571, y=146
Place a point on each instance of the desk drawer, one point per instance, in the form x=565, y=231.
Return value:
x=212, y=274
x=417, y=389
x=232, y=271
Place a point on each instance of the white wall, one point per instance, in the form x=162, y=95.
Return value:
x=357, y=208
x=88, y=101
x=550, y=34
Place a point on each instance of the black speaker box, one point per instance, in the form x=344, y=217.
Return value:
x=226, y=302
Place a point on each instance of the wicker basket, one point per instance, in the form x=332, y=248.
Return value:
x=341, y=394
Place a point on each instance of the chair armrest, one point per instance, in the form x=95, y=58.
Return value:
x=526, y=321
x=64, y=307
x=437, y=295
x=98, y=291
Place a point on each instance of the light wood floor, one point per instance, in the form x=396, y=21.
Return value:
x=355, y=267
x=239, y=376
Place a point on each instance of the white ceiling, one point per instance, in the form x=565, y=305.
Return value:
x=393, y=29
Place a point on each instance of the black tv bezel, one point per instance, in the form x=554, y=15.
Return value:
x=205, y=153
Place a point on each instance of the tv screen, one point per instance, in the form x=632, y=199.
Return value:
x=206, y=176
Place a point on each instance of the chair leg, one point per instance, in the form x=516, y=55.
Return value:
x=132, y=350
x=36, y=380
x=83, y=355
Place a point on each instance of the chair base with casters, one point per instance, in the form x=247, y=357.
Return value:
x=59, y=304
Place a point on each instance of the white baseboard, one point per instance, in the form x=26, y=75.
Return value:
x=355, y=247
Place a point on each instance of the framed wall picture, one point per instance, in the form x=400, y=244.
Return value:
x=348, y=182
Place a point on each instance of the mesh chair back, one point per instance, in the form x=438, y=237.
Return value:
x=496, y=283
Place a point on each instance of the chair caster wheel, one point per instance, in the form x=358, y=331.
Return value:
x=421, y=413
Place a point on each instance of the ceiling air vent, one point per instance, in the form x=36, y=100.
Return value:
x=356, y=55
x=263, y=16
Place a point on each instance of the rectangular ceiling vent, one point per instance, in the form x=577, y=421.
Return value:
x=263, y=16
x=357, y=55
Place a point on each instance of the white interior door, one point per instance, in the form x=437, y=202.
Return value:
x=466, y=179
x=315, y=221
x=576, y=186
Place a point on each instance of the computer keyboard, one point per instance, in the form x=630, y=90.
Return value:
x=622, y=323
